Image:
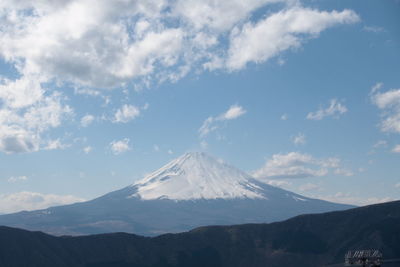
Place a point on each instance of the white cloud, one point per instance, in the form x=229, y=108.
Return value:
x=55, y=144
x=216, y=15
x=212, y=123
x=293, y=165
x=387, y=99
x=126, y=113
x=299, y=139
x=87, y=120
x=156, y=47
x=284, y=117
x=279, y=32
x=121, y=146
x=156, y=148
x=170, y=152
x=87, y=149
x=104, y=44
x=396, y=149
x=233, y=112
x=73, y=41
x=14, y=139
x=397, y=185
x=22, y=92
x=14, y=179
x=389, y=103
x=21, y=128
x=32, y=201
x=91, y=45
x=335, y=109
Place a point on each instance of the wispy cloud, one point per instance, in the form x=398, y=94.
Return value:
x=87, y=120
x=278, y=183
x=55, y=144
x=87, y=149
x=22, y=128
x=374, y=29
x=126, y=113
x=344, y=172
x=295, y=165
x=32, y=201
x=374, y=89
x=212, y=123
x=380, y=143
x=389, y=103
x=334, y=109
x=299, y=139
x=396, y=149
x=120, y=146
x=14, y=179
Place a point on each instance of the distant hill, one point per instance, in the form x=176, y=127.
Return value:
x=306, y=240
x=191, y=191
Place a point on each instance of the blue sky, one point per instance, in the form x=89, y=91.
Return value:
x=305, y=95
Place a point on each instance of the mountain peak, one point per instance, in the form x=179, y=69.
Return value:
x=196, y=175
x=198, y=157
x=195, y=154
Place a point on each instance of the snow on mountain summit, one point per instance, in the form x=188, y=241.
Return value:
x=197, y=175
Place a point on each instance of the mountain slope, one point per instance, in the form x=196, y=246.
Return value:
x=191, y=191
x=197, y=176
x=307, y=240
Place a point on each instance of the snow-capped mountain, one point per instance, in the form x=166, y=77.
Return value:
x=190, y=191
x=197, y=176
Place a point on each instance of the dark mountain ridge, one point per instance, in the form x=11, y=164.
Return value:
x=306, y=240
